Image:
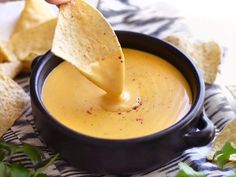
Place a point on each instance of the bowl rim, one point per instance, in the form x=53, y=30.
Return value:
x=196, y=107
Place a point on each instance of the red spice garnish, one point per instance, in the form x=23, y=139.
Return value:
x=89, y=112
x=139, y=120
x=138, y=104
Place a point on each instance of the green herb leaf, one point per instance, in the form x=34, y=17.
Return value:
x=222, y=156
x=11, y=148
x=42, y=169
x=2, y=154
x=187, y=171
x=32, y=152
x=18, y=170
x=4, y=170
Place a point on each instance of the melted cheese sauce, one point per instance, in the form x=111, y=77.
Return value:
x=156, y=96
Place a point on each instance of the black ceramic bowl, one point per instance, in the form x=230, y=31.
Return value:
x=128, y=156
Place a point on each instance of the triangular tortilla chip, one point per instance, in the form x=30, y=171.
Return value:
x=34, y=13
x=207, y=55
x=37, y=40
x=85, y=39
x=10, y=69
x=6, y=53
x=27, y=61
x=13, y=102
x=226, y=135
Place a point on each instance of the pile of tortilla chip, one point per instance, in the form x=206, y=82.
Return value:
x=31, y=37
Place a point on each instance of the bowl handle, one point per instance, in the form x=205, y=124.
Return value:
x=203, y=134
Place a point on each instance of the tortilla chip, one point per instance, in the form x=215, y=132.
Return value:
x=34, y=13
x=10, y=69
x=13, y=102
x=6, y=53
x=226, y=135
x=85, y=39
x=37, y=40
x=207, y=55
x=26, y=63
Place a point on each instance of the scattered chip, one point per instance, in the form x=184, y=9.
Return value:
x=34, y=13
x=26, y=63
x=6, y=53
x=10, y=69
x=226, y=135
x=13, y=102
x=85, y=39
x=207, y=55
x=36, y=41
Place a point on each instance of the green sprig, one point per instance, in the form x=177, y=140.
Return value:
x=187, y=171
x=222, y=156
x=8, y=169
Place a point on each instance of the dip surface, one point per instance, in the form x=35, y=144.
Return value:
x=161, y=92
